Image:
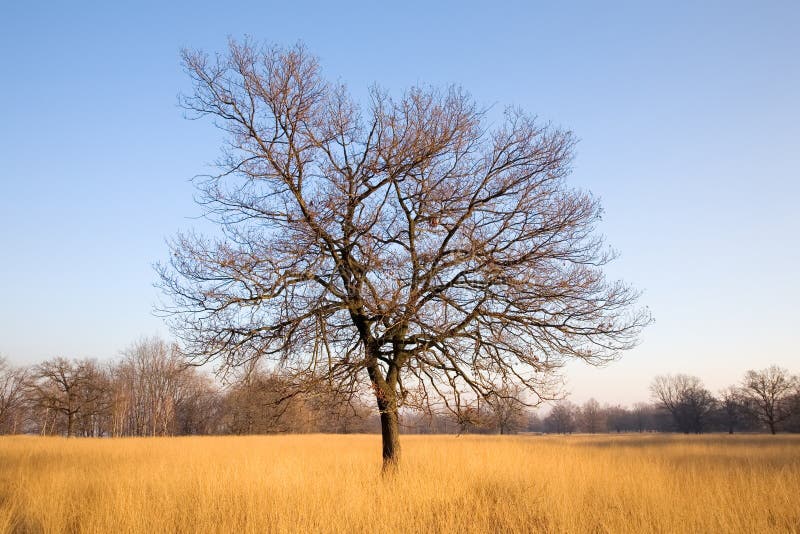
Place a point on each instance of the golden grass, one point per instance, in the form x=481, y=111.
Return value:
x=451, y=484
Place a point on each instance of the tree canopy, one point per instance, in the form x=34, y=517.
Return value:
x=405, y=243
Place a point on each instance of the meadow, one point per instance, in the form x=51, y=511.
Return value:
x=332, y=483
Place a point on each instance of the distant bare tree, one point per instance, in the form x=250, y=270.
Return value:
x=68, y=388
x=431, y=422
x=121, y=400
x=767, y=393
x=12, y=381
x=266, y=403
x=198, y=405
x=642, y=414
x=534, y=422
x=618, y=418
x=95, y=391
x=792, y=423
x=561, y=419
x=406, y=244
x=591, y=417
x=334, y=409
x=507, y=410
x=148, y=383
x=732, y=406
x=686, y=399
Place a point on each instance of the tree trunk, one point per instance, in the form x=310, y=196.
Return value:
x=772, y=427
x=390, y=432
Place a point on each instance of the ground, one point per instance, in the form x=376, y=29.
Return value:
x=332, y=483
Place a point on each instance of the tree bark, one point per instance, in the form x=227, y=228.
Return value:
x=390, y=432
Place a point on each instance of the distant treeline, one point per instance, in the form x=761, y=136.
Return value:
x=151, y=392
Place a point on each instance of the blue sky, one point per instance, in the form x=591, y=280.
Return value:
x=688, y=117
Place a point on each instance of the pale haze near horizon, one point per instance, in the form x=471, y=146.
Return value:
x=687, y=116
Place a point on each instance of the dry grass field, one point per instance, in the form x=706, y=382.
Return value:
x=322, y=483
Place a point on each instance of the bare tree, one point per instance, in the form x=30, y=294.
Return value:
x=618, y=418
x=94, y=390
x=198, y=405
x=333, y=409
x=686, y=399
x=767, y=392
x=732, y=405
x=643, y=416
x=792, y=423
x=265, y=403
x=149, y=381
x=12, y=382
x=507, y=410
x=534, y=422
x=561, y=419
x=591, y=417
x=121, y=400
x=404, y=245
x=67, y=388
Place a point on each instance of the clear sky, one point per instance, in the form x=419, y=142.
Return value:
x=688, y=115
